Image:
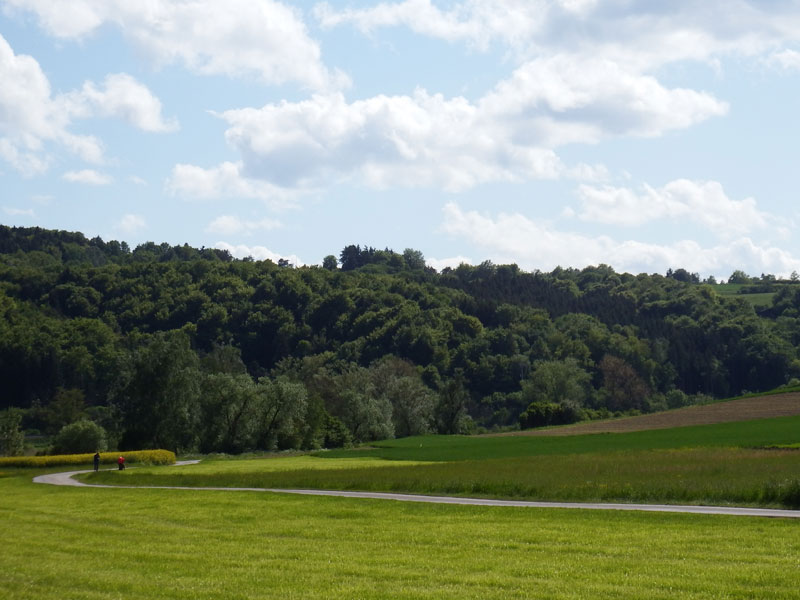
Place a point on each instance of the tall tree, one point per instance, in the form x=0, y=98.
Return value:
x=158, y=394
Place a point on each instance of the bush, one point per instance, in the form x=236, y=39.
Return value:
x=336, y=434
x=12, y=440
x=79, y=437
x=542, y=413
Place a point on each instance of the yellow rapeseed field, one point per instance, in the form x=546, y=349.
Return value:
x=150, y=457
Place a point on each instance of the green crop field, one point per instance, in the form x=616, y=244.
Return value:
x=79, y=543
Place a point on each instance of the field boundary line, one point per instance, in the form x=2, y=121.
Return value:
x=66, y=479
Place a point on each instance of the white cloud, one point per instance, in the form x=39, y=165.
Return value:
x=572, y=99
x=236, y=38
x=454, y=144
x=258, y=253
x=121, y=97
x=638, y=32
x=87, y=176
x=788, y=60
x=19, y=212
x=419, y=15
x=131, y=224
x=382, y=141
x=229, y=225
x=136, y=180
x=532, y=245
x=452, y=262
x=224, y=181
x=30, y=117
x=701, y=202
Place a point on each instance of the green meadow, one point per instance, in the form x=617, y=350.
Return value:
x=84, y=543
x=728, y=463
x=65, y=543
x=721, y=476
x=759, y=299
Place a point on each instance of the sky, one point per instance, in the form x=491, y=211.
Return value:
x=641, y=134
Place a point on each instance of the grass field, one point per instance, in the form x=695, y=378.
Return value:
x=760, y=299
x=714, y=464
x=83, y=543
x=86, y=543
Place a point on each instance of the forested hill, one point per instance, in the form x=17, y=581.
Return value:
x=190, y=348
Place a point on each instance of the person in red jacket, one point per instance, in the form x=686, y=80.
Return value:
x=121, y=463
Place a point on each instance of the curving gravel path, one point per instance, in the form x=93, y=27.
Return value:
x=66, y=479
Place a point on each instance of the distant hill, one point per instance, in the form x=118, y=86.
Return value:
x=190, y=348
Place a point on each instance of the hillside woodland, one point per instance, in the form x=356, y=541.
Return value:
x=192, y=350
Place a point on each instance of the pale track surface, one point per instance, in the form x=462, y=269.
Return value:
x=66, y=479
x=742, y=409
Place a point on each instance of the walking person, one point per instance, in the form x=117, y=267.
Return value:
x=96, y=461
x=121, y=463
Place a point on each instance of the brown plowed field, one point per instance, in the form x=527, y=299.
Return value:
x=743, y=409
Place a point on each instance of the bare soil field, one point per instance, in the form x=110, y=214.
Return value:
x=742, y=409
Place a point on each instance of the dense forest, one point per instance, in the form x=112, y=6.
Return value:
x=193, y=350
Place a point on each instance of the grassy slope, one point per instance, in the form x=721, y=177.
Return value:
x=757, y=406
x=70, y=543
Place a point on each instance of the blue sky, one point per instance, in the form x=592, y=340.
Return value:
x=645, y=135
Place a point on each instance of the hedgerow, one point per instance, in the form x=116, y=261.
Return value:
x=147, y=457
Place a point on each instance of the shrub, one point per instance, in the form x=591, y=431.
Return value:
x=12, y=440
x=336, y=434
x=543, y=413
x=79, y=437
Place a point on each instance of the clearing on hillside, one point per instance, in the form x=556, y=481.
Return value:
x=741, y=409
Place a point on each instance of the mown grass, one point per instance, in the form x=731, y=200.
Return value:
x=85, y=543
x=713, y=464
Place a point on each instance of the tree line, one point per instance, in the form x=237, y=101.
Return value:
x=191, y=349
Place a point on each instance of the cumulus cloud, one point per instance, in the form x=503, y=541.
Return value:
x=236, y=38
x=123, y=97
x=428, y=140
x=258, y=253
x=224, y=181
x=87, y=176
x=642, y=33
x=452, y=262
x=421, y=139
x=131, y=224
x=30, y=117
x=569, y=99
x=535, y=245
x=701, y=202
x=229, y=225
